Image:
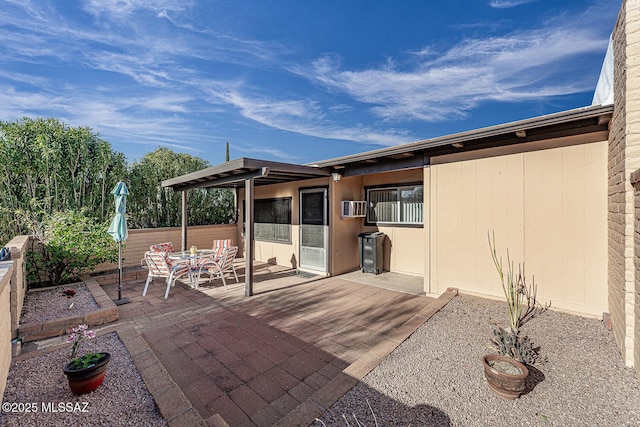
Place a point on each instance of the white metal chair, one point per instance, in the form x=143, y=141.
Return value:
x=159, y=265
x=228, y=265
x=217, y=266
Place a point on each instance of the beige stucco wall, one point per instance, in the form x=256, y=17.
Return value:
x=403, y=251
x=547, y=206
x=344, y=231
x=285, y=254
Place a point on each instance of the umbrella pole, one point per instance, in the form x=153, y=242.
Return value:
x=119, y=270
x=120, y=300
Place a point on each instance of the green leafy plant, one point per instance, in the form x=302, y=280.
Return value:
x=87, y=361
x=72, y=243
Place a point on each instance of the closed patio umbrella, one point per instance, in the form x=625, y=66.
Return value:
x=118, y=230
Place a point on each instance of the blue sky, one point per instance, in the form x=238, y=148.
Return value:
x=295, y=81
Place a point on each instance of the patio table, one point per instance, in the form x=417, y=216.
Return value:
x=193, y=260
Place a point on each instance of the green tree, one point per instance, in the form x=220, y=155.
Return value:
x=149, y=205
x=47, y=167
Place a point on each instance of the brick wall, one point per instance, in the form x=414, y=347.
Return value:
x=632, y=64
x=635, y=181
x=617, y=198
x=623, y=159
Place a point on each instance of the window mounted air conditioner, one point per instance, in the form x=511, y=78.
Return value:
x=354, y=209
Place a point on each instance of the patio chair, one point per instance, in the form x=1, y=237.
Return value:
x=160, y=265
x=213, y=267
x=217, y=266
x=228, y=265
x=219, y=245
x=162, y=247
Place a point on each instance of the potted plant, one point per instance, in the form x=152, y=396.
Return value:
x=85, y=373
x=506, y=372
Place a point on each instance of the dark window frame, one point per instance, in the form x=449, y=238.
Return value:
x=393, y=186
x=263, y=208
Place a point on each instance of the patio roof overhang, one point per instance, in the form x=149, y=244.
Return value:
x=242, y=173
x=234, y=173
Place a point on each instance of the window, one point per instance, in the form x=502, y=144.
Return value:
x=396, y=204
x=272, y=219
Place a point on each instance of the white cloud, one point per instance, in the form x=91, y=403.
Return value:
x=505, y=4
x=307, y=118
x=120, y=8
x=255, y=151
x=520, y=66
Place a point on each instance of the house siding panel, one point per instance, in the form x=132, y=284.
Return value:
x=545, y=206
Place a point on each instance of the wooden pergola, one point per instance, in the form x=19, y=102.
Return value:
x=241, y=173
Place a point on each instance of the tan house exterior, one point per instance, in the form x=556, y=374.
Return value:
x=556, y=190
x=546, y=202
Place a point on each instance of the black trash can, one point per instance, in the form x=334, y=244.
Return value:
x=371, y=248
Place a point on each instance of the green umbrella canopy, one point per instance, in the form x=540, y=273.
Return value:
x=118, y=227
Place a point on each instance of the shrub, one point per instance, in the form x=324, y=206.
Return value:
x=72, y=244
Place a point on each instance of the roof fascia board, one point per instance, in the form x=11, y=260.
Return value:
x=238, y=167
x=237, y=178
x=386, y=166
x=507, y=128
x=226, y=167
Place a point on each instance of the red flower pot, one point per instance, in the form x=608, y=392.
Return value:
x=85, y=380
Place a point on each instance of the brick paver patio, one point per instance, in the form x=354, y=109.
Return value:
x=252, y=361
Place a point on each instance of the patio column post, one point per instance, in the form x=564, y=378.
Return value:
x=248, y=237
x=184, y=220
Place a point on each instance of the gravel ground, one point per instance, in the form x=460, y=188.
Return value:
x=435, y=378
x=50, y=303
x=121, y=400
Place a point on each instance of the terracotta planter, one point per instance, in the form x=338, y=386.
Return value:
x=85, y=380
x=505, y=385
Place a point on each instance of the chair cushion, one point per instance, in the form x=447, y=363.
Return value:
x=162, y=247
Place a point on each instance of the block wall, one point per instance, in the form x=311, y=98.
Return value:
x=623, y=159
x=18, y=287
x=6, y=274
x=201, y=236
x=635, y=180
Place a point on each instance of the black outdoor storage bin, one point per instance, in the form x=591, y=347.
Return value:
x=371, y=247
